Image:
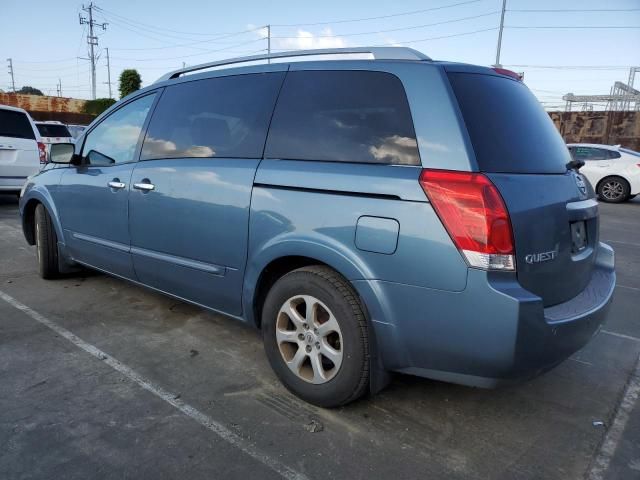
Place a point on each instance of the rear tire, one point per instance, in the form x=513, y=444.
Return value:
x=315, y=336
x=46, y=244
x=613, y=189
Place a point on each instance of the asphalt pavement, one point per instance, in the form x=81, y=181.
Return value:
x=100, y=378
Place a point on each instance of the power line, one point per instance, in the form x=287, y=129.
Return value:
x=413, y=27
x=176, y=45
x=152, y=27
x=574, y=26
x=577, y=10
x=574, y=67
x=447, y=36
x=187, y=56
x=375, y=18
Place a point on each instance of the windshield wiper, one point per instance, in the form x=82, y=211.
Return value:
x=575, y=165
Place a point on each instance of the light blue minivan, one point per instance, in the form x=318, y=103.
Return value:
x=372, y=211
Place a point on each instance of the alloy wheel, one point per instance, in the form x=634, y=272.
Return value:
x=309, y=339
x=612, y=190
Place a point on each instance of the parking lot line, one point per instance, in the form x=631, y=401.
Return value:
x=628, y=287
x=169, y=397
x=614, y=434
x=620, y=335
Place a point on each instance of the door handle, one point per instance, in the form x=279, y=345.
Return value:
x=117, y=184
x=144, y=186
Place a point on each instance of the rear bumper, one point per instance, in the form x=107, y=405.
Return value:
x=493, y=332
x=12, y=183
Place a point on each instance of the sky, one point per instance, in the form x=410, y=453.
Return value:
x=583, y=49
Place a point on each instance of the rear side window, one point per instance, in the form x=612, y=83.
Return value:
x=509, y=130
x=15, y=124
x=589, y=154
x=217, y=117
x=343, y=116
x=52, y=130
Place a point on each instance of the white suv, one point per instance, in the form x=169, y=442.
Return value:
x=22, y=153
x=614, y=171
x=54, y=132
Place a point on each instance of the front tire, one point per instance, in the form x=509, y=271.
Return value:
x=46, y=244
x=613, y=190
x=315, y=336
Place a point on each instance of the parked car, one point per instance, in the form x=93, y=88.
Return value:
x=21, y=151
x=613, y=171
x=75, y=130
x=370, y=216
x=54, y=132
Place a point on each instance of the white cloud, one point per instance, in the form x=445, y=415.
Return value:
x=396, y=149
x=301, y=39
x=305, y=40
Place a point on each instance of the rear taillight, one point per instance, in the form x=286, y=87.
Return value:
x=42, y=149
x=474, y=214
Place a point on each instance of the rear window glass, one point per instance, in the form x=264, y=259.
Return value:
x=343, y=116
x=15, y=124
x=52, y=130
x=216, y=117
x=510, y=131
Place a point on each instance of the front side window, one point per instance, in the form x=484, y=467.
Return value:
x=343, y=116
x=115, y=139
x=216, y=117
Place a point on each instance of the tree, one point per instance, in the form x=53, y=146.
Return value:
x=26, y=90
x=130, y=81
x=97, y=106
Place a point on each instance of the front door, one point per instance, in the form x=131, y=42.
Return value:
x=191, y=189
x=93, y=196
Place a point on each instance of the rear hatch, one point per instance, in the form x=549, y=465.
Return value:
x=553, y=212
x=54, y=133
x=19, y=155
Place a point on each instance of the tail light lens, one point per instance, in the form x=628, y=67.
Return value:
x=42, y=149
x=474, y=214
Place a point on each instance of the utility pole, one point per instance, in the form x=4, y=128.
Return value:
x=13, y=81
x=59, y=87
x=504, y=8
x=92, y=40
x=108, y=82
x=269, y=43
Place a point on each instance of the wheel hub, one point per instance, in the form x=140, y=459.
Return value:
x=309, y=339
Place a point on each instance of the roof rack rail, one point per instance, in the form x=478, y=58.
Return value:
x=379, y=53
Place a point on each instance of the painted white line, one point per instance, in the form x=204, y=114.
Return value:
x=613, y=436
x=581, y=361
x=620, y=335
x=169, y=397
x=630, y=288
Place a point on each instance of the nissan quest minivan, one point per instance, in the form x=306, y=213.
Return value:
x=384, y=213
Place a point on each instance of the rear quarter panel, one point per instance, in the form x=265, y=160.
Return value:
x=308, y=209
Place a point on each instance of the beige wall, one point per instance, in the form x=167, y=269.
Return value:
x=610, y=128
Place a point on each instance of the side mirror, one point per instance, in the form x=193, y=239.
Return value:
x=61, y=152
